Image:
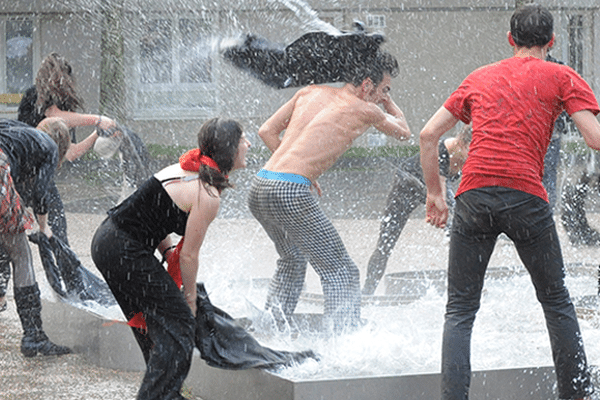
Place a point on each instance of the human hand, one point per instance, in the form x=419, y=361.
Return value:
x=190, y=299
x=436, y=211
x=46, y=230
x=106, y=127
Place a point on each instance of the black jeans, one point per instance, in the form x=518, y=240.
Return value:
x=140, y=283
x=480, y=216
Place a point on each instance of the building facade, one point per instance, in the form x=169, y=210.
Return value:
x=155, y=65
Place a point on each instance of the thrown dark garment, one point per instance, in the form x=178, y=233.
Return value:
x=67, y=277
x=314, y=58
x=135, y=158
x=224, y=344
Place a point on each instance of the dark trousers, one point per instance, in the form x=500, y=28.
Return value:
x=480, y=216
x=140, y=283
x=408, y=192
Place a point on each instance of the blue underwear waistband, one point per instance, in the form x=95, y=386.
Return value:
x=284, y=176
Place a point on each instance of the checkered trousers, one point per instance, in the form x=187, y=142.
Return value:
x=14, y=219
x=301, y=233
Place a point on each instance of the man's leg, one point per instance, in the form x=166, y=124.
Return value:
x=406, y=194
x=288, y=280
x=339, y=275
x=538, y=246
x=56, y=214
x=472, y=241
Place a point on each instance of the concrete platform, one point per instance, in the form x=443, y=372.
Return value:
x=109, y=344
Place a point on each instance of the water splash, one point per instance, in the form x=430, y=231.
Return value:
x=308, y=16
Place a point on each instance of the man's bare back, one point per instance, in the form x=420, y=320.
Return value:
x=321, y=122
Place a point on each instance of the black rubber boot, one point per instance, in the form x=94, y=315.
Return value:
x=29, y=308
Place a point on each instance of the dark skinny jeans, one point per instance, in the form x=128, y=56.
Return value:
x=480, y=216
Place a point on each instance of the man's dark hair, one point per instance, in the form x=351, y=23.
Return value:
x=383, y=62
x=531, y=25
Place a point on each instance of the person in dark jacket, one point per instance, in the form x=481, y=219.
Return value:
x=28, y=159
x=54, y=95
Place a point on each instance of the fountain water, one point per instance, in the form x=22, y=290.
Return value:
x=397, y=353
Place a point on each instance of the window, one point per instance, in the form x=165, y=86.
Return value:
x=375, y=21
x=16, y=53
x=19, y=55
x=175, y=67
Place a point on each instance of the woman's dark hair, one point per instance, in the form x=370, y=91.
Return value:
x=55, y=85
x=531, y=25
x=219, y=139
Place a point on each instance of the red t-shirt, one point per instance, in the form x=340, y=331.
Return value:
x=513, y=105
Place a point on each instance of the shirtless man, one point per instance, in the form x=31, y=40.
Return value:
x=320, y=124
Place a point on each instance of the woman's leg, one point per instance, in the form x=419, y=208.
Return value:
x=141, y=284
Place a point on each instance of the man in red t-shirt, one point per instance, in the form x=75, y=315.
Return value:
x=512, y=105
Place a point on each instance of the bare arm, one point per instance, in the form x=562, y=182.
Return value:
x=73, y=119
x=269, y=132
x=202, y=213
x=394, y=124
x=76, y=150
x=436, y=208
x=588, y=125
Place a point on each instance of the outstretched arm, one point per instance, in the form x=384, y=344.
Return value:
x=436, y=208
x=73, y=119
x=202, y=213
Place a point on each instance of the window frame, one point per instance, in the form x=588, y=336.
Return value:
x=9, y=101
x=205, y=90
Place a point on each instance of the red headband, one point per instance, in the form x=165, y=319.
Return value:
x=192, y=160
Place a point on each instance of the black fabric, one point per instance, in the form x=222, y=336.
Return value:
x=67, y=277
x=135, y=156
x=314, y=58
x=149, y=214
x=33, y=157
x=29, y=308
x=224, y=344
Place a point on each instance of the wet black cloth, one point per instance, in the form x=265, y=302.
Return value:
x=66, y=275
x=149, y=215
x=224, y=344
x=314, y=58
x=33, y=157
x=135, y=158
